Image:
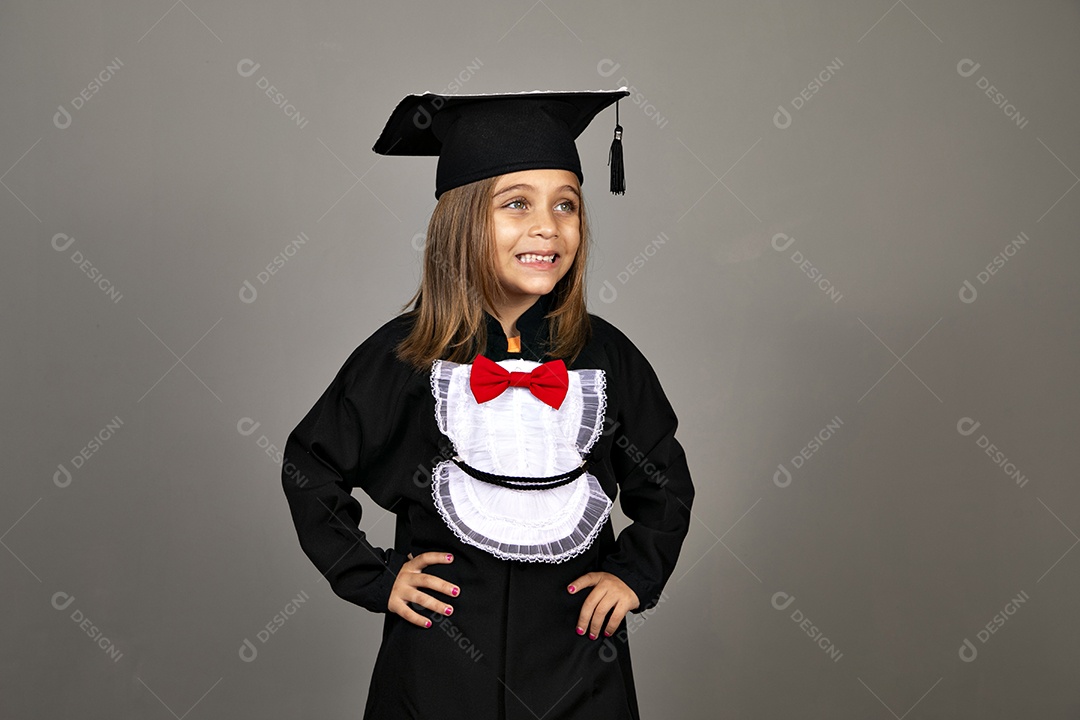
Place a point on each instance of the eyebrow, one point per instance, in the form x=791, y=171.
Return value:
x=525, y=186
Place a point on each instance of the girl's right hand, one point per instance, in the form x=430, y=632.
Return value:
x=410, y=579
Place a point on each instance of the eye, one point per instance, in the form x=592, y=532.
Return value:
x=567, y=205
x=519, y=202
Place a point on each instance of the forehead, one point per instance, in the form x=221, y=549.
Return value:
x=540, y=179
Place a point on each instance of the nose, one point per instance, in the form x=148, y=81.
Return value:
x=545, y=225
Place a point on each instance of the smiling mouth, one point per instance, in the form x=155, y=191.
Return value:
x=533, y=259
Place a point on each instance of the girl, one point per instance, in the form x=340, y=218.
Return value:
x=497, y=419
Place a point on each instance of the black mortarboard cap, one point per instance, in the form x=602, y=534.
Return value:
x=481, y=136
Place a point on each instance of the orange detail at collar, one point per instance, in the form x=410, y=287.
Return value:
x=513, y=344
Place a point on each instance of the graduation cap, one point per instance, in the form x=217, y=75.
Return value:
x=481, y=136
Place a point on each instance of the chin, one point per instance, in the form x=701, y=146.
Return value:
x=534, y=287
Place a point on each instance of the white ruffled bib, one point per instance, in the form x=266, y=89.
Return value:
x=517, y=434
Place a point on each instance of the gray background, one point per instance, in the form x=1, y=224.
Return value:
x=859, y=132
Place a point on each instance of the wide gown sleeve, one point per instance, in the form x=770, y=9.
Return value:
x=321, y=465
x=655, y=489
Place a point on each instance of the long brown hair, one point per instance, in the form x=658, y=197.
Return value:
x=459, y=280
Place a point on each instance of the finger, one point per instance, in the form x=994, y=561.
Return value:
x=432, y=558
x=427, y=580
x=425, y=600
x=586, y=580
x=588, y=609
x=599, y=616
x=401, y=608
x=418, y=578
x=615, y=620
x=410, y=578
x=411, y=594
x=618, y=616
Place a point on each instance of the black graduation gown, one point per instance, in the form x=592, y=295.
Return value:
x=510, y=650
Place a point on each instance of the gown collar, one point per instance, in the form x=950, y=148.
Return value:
x=532, y=327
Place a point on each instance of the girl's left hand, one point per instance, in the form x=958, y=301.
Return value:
x=609, y=594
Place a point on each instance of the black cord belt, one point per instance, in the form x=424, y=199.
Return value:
x=522, y=483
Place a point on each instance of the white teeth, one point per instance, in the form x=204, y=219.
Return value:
x=529, y=257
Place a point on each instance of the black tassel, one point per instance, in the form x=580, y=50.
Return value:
x=615, y=159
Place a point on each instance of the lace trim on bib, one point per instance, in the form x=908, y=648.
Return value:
x=470, y=508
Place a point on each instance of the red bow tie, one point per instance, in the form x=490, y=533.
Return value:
x=548, y=381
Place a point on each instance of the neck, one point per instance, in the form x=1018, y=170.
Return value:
x=509, y=312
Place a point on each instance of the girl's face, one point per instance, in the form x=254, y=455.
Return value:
x=535, y=213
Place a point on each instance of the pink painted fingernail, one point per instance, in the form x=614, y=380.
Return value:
x=453, y=591
x=449, y=610
x=607, y=634
x=580, y=631
x=428, y=624
x=591, y=636
x=449, y=557
x=570, y=588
